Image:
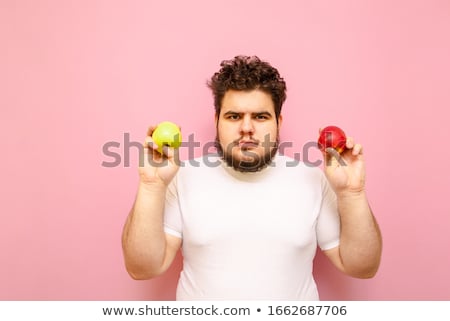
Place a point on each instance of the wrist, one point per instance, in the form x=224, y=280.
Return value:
x=156, y=186
x=351, y=194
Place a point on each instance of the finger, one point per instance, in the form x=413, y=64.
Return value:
x=164, y=151
x=149, y=143
x=333, y=158
x=150, y=130
x=168, y=151
x=357, y=150
x=149, y=156
x=350, y=143
x=153, y=154
x=158, y=151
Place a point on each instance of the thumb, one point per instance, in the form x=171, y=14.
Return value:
x=333, y=158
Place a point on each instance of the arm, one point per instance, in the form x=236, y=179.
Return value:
x=147, y=250
x=359, y=251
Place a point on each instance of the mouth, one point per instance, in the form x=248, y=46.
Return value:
x=247, y=144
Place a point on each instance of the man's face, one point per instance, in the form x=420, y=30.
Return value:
x=247, y=129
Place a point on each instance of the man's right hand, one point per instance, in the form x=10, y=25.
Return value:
x=155, y=167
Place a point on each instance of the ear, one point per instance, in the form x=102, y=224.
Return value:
x=280, y=120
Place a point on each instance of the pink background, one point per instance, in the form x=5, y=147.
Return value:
x=75, y=75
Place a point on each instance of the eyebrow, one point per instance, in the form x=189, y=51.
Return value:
x=260, y=113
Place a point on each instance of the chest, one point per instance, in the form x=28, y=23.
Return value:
x=279, y=210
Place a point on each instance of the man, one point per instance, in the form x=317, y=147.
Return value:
x=248, y=222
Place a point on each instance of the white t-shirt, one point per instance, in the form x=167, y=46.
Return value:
x=250, y=236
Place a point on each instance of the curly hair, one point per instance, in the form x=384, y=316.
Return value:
x=248, y=73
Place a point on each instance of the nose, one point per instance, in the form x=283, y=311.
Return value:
x=247, y=127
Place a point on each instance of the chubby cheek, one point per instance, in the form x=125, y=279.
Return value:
x=266, y=133
x=226, y=136
x=228, y=131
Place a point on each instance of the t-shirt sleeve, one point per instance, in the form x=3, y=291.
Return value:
x=172, y=211
x=328, y=224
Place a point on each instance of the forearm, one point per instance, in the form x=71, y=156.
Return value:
x=360, y=241
x=143, y=238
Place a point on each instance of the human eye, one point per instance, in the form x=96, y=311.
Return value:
x=263, y=116
x=232, y=116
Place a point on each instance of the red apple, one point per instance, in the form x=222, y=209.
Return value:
x=332, y=136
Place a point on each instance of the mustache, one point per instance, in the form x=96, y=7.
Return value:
x=249, y=141
x=236, y=142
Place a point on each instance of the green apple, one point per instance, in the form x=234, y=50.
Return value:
x=167, y=133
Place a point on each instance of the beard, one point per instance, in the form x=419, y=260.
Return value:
x=255, y=162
